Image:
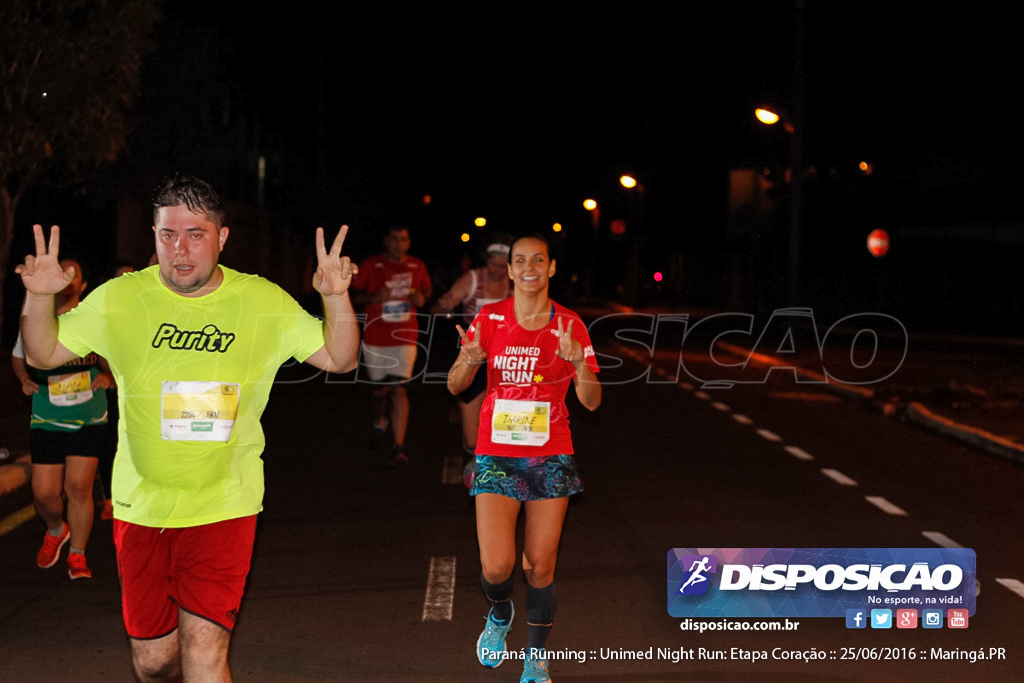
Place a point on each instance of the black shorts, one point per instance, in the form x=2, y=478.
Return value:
x=50, y=448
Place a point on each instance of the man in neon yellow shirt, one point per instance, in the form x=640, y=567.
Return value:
x=194, y=347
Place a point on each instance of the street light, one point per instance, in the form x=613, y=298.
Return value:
x=771, y=116
x=632, y=279
x=793, y=123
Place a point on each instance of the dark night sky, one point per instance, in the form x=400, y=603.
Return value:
x=519, y=113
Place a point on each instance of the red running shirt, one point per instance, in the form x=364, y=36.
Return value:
x=524, y=414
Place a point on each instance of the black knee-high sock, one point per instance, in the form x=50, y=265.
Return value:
x=540, y=614
x=500, y=596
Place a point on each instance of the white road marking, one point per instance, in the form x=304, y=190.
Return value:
x=437, y=605
x=718, y=405
x=1013, y=584
x=838, y=477
x=742, y=419
x=768, y=435
x=885, y=506
x=940, y=539
x=702, y=395
x=799, y=453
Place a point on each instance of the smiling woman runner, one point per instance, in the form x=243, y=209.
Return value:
x=533, y=349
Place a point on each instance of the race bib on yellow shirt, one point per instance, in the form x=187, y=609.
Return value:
x=522, y=423
x=198, y=411
x=70, y=390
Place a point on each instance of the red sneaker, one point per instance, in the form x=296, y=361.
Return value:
x=48, y=554
x=77, y=568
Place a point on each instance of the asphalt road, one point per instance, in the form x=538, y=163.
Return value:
x=348, y=576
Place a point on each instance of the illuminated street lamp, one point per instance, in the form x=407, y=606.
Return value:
x=793, y=125
x=595, y=214
x=632, y=273
x=770, y=116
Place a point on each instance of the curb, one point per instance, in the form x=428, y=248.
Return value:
x=915, y=413
x=992, y=444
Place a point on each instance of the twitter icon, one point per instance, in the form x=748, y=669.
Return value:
x=881, y=618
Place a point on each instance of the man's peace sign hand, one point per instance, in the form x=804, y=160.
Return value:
x=42, y=274
x=334, y=272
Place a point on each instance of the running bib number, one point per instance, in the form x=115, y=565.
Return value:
x=198, y=411
x=396, y=311
x=522, y=423
x=70, y=390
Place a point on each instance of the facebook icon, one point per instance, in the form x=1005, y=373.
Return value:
x=856, y=618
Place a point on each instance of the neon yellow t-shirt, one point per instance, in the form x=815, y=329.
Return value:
x=193, y=377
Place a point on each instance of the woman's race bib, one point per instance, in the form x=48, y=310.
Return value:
x=523, y=423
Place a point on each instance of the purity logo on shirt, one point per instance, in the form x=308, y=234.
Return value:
x=209, y=339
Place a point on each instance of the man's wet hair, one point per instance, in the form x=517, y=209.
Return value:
x=198, y=195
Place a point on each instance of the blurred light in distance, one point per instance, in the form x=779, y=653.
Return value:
x=426, y=200
x=480, y=222
x=866, y=167
x=589, y=204
x=628, y=181
x=658, y=276
x=464, y=237
x=766, y=116
x=557, y=227
x=878, y=243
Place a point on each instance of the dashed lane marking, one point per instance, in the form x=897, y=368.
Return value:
x=799, y=453
x=768, y=435
x=838, y=477
x=940, y=539
x=718, y=405
x=742, y=419
x=437, y=605
x=1012, y=584
x=885, y=506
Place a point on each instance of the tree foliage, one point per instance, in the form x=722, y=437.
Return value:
x=69, y=75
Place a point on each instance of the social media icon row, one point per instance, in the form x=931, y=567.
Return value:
x=905, y=618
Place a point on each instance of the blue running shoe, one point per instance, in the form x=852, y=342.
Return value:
x=535, y=670
x=490, y=646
